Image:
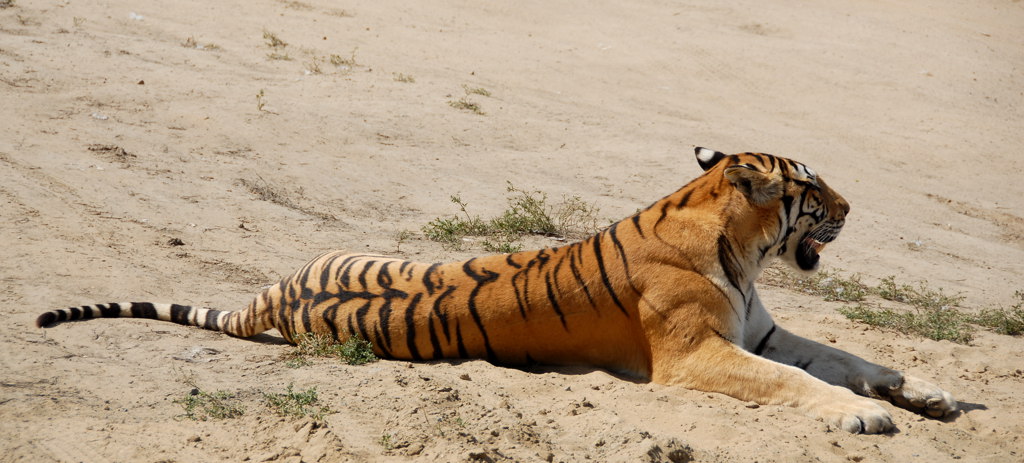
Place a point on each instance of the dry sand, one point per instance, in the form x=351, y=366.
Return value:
x=115, y=138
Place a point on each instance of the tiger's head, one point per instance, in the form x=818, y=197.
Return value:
x=810, y=214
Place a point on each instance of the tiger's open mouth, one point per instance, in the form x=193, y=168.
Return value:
x=811, y=245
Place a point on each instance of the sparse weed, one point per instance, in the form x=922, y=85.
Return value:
x=313, y=65
x=200, y=405
x=297, y=404
x=528, y=213
x=273, y=41
x=267, y=192
x=385, y=441
x=501, y=247
x=354, y=351
x=476, y=91
x=949, y=324
x=277, y=56
x=340, y=61
x=191, y=42
x=6, y=4
x=832, y=287
x=1004, y=321
x=465, y=104
x=27, y=21
x=261, y=101
x=921, y=296
x=357, y=351
x=295, y=5
x=401, y=237
x=405, y=78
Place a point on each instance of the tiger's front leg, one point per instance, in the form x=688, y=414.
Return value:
x=865, y=378
x=840, y=368
x=716, y=364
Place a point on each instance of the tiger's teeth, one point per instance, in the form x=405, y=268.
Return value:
x=817, y=245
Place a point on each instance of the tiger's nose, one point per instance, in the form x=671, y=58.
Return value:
x=844, y=207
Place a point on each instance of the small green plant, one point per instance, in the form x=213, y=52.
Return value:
x=386, y=442
x=401, y=237
x=949, y=324
x=501, y=247
x=1004, y=321
x=528, y=213
x=357, y=351
x=476, y=91
x=934, y=313
x=404, y=78
x=297, y=404
x=466, y=105
x=354, y=351
x=200, y=405
x=921, y=296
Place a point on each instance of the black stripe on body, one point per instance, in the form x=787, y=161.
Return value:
x=386, y=353
x=511, y=262
x=483, y=278
x=435, y=343
x=604, y=275
x=613, y=233
x=730, y=265
x=345, y=267
x=362, y=273
x=410, y=327
x=361, y=319
x=325, y=272
x=329, y=314
x=574, y=256
x=764, y=341
x=554, y=301
x=428, y=282
x=458, y=341
x=636, y=224
x=442, y=316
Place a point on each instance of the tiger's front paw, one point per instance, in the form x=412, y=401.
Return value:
x=923, y=397
x=857, y=415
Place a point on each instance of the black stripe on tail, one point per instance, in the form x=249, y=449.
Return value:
x=180, y=314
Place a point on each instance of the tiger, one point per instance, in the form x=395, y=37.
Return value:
x=666, y=295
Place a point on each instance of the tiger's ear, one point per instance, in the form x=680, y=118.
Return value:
x=759, y=187
x=708, y=158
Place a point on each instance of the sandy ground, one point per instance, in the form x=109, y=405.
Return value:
x=118, y=135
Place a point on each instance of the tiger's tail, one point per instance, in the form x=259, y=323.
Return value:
x=243, y=323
